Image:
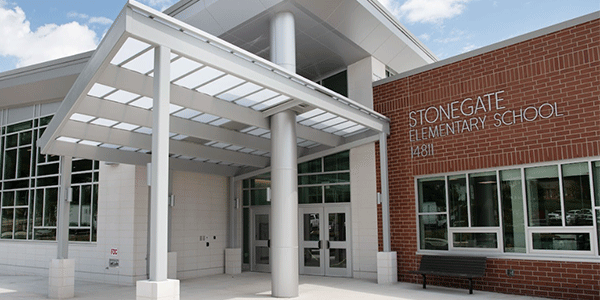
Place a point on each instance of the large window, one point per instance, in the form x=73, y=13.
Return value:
x=539, y=209
x=29, y=188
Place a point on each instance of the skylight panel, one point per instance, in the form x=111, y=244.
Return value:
x=179, y=137
x=220, y=85
x=110, y=146
x=144, y=130
x=234, y=148
x=130, y=149
x=271, y=103
x=121, y=96
x=349, y=130
x=317, y=119
x=143, y=102
x=81, y=117
x=309, y=114
x=187, y=113
x=256, y=98
x=258, y=131
x=89, y=143
x=247, y=150
x=220, y=145
x=240, y=91
x=340, y=126
x=219, y=122
x=104, y=122
x=100, y=90
x=183, y=66
x=174, y=108
x=142, y=64
x=306, y=144
x=67, y=139
x=199, y=77
x=205, y=118
x=130, y=48
x=125, y=126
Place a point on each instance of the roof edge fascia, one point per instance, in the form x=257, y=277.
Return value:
x=395, y=24
x=51, y=69
x=499, y=45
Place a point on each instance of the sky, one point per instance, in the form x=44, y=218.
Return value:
x=34, y=31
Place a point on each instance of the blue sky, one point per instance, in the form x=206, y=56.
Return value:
x=33, y=31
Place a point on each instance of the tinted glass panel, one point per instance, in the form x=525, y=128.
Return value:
x=337, y=162
x=561, y=241
x=484, y=199
x=311, y=227
x=513, y=218
x=433, y=232
x=313, y=166
x=337, y=258
x=337, y=193
x=543, y=196
x=311, y=194
x=457, y=194
x=312, y=257
x=577, y=195
x=432, y=195
x=475, y=240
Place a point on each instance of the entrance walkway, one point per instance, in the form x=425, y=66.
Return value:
x=248, y=286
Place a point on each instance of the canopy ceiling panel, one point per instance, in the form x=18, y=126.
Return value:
x=221, y=99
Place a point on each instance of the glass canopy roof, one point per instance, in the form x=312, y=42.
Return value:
x=221, y=101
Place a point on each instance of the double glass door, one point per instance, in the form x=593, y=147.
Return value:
x=324, y=241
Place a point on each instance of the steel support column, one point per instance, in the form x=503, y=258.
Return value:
x=385, y=192
x=62, y=234
x=284, y=171
x=160, y=166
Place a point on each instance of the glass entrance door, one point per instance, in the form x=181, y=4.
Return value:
x=259, y=257
x=324, y=241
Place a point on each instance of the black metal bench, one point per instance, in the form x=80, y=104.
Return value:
x=454, y=266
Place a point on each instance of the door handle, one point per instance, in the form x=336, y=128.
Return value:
x=328, y=245
x=268, y=243
x=320, y=244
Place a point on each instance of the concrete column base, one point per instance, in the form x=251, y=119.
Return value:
x=61, y=278
x=387, y=267
x=172, y=265
x=233, y=261
x=157, y=290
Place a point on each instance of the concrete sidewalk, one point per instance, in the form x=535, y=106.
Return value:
x=249, y=286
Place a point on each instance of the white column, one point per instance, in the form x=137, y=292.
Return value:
x=385, y=197
x=160, y=167
x=61, y=277
x=64, y=207
x=158, y=286
x=284, y=172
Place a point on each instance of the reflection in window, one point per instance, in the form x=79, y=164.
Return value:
x=337, y=258
x=543, y=196
x=484, y=199
x=562, y=241
x=577, y=196
x=434, y=199
x=457, y=200
x=513, y=218
x=433, y=232
x=475, y=240
x=596, y=172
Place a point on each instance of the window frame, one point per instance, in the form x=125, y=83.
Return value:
x=592, y=230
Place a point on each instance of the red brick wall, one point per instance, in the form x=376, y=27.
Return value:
x=563, y=68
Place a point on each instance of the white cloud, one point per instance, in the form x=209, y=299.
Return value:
x=100, y=20
x=468, y=48
x=455, y=35
x=76, y=15
x=47, y=42
x=158, y=4
x=425, y=36
x=431, y=11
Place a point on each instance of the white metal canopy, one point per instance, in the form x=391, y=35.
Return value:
x=221, y=99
